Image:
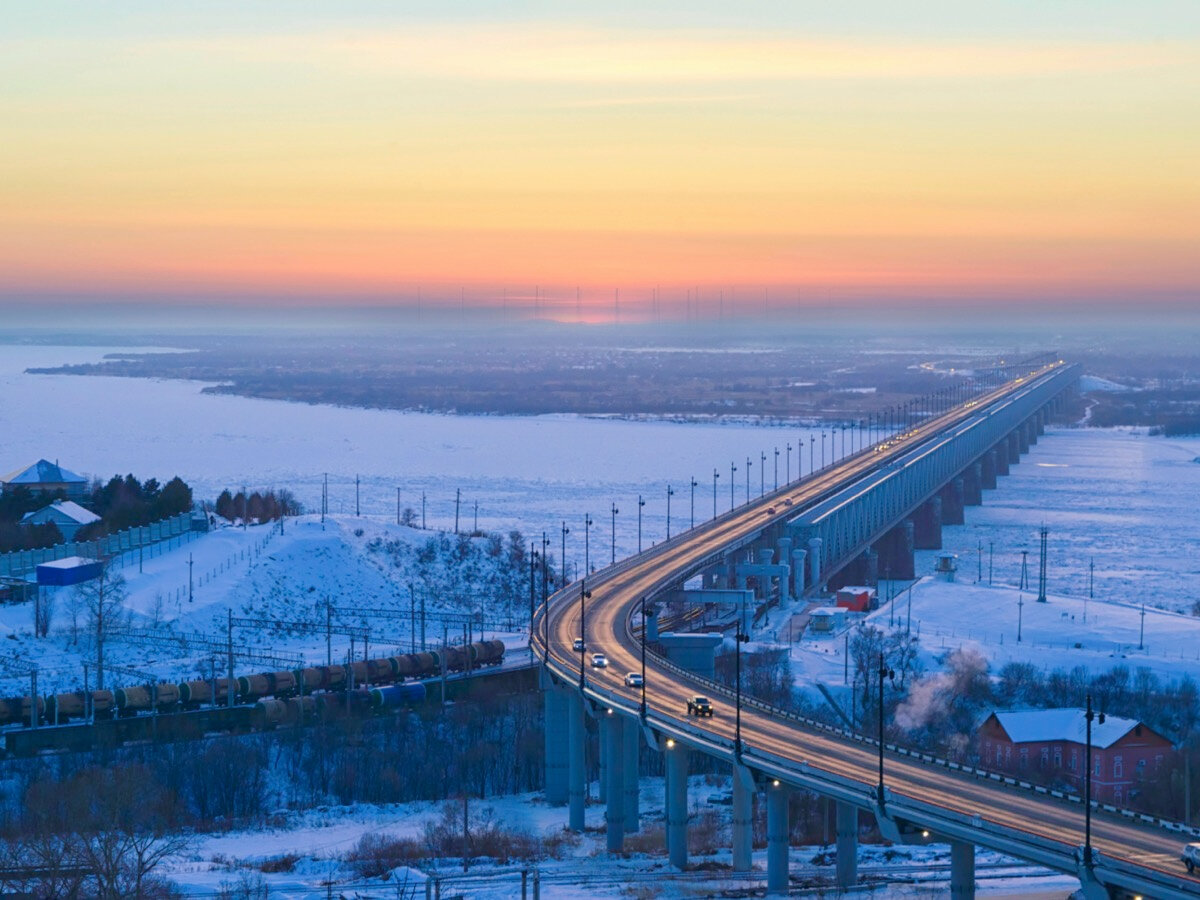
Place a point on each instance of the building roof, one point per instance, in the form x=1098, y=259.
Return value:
x=68, y=508
x=43, y=472
x=1068, y=725
x=69, y=562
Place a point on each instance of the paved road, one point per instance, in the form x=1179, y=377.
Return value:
x=616, y=597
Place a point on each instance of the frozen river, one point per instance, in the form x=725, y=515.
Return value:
x=1123, y=498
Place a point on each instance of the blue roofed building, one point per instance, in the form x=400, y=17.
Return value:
x=45, y=477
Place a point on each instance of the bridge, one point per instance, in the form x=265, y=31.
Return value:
x=836, y=525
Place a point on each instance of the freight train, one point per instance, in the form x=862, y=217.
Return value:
x=283, y=697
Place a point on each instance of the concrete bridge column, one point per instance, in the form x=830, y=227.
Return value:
x=927, y=525
x=989, y=470
x=973, y=484
x=814, y=562
x=1040, y=420
x=743, y=830
x=798, y=558
x=612, y=735
x=778, y=832
x=785, y=559
x=847, y=845
x=1014, y=448
x=576, y=737
x=1031, y=430
x=602, y=782
x=896, y=551
x=556, y=708
x=677, y=805
x=629, y=764
x=1023, y=438
x=962, y=871
x=731, y=571
x=952, y=503
x=1001, y=451
x=870, y=567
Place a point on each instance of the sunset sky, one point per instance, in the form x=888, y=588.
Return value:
x=357, y=152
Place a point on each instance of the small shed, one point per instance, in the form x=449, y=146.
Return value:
x=67, y=572
x=857, y=599
x=826, y=619
x=946, y=566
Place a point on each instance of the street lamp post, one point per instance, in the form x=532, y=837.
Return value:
x=740, y=638
x=822, y=451
x=812, y=449
x=587, y=550
x=732, y=483
x=788, y=471
x=716, y=475
x=884, y=672
x=749, y=463
x=563, y=561
x=614, y=532
x=762, y=473
x=1089, y=715
x=777, y=467
x=694, y=484
x=670, y=494
x=641, y=503
x=584, y=594
x=643, y=657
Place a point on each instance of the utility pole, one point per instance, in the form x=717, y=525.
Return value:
x=587, y=553
x=979, y=573
x=762, y=473
x=229, y=684
x=749, y=463
x=777, y=467
x=190, y=578
x=1024, y=582
x=732, y=472
x=422, y=510
x=1044, y=533
x=670, y=494
x=1020, y=610
x=991, y=559
x=693, y=521
x=457, y=501
x=1142, y=630
x=716, y=475
x=1089, y=715
x=357, y=508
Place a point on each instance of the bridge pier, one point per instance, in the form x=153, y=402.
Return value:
x=602, y=761
x=1014, y=448
x=785, y=557
x=1040, y=421
x=743, y=829
x=814, y=563
x=677, y=803
x=1031, y=431
x=973, y=484
x=797, y=575
x=847, y=845
x=962, y=871
x=612, y=736
x=952, y=503
x=1001, y=451
x=629, y=765
x=896, y=551
x=576, y=774
x=778, y=833
x=927, y=525
x=1022, y=438
x=989, y=470
x=556, y=709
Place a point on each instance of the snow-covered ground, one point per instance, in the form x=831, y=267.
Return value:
x=582, y=867
x=1062, y=633
x=277, y=578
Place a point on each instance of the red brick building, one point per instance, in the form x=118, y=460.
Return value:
x=1049, y=744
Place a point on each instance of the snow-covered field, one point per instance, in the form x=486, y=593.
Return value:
x=279, y=579
x=582, y=868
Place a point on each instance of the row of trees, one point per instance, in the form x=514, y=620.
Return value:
x=258, y=506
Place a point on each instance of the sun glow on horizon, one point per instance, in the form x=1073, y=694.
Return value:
x=180, y=159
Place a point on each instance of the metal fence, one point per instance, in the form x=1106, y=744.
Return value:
x=21, y=563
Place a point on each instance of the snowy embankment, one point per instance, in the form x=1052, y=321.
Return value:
x=283, y=581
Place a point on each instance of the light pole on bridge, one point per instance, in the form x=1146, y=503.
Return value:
x=777, y=467
x=563, y=562
x=670, y=494
x=694, y=485
x=740, y=637
x=614, y=531
x=584, y=594
x=587, y=549
x=1089, y=715
x=732, y=484
x=641, y=503
x=789, y=463
x=716, y=475
x=884, y=672
x=749, y=464
x=762, y=473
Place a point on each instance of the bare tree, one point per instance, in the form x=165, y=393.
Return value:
x=103, y=598
x=43, y=614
